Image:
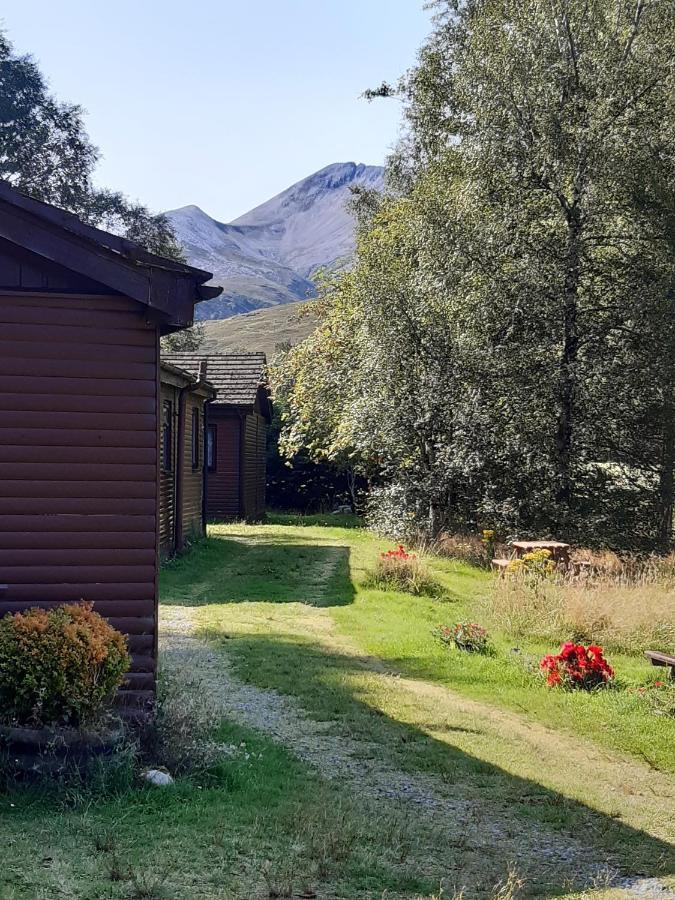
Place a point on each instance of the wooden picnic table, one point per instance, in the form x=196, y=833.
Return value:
x=560, y=552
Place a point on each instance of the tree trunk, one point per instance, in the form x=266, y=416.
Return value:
x=568, y=368
x=436, y=519
x=667, y=476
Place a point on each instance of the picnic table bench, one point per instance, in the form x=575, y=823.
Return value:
x=560, y=552
x=661, y=659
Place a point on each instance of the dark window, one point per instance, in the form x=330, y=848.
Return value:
x=195, y=438
x=167, y=435
x=211, y=448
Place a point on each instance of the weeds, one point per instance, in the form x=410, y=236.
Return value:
x=180, y=736
x=510, y=887
x=507, y=889
x=626, y=612
x=280, y=879
x=148, y=887
x=74, y=785
x=468, y=548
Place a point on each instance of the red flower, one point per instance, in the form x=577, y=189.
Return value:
x=577, y=666
x=398, y=553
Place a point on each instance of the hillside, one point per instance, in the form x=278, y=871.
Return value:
x=262, y=330
x=269, y=255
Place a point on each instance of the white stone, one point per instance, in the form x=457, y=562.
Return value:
x=157, y=777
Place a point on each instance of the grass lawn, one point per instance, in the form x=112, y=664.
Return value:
x=417, y=765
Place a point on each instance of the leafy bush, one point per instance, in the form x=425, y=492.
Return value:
x=390, y=511
x=59, y=666
x=398, y=570
x=534, y=565
x=467, y=636
x=577, y=666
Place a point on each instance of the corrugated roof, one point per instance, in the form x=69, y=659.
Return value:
x=235, y=376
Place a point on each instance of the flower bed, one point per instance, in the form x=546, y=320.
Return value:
x=577, y=666
x=467, y=636
x=400, y=570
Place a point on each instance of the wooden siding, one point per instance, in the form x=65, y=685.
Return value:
x=261, y=488
x=222, y=492
x=236, y=489
x=78, y=462
x=192, y=522
x=20, y=270
x=167, y=476
x=193, y=478
x=254, y=468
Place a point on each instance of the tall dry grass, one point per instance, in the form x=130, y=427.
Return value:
x=470, y=548
x=626, y=606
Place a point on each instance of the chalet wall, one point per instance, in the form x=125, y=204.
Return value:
x=192, y=521
x=78, y=462
x=236, y=489
x=254, y=468
x=167, y=474
x=222, y=494
x=193, y=477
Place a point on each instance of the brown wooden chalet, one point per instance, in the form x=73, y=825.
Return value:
x=182, y=480
x=236, y=432
x=81, y=315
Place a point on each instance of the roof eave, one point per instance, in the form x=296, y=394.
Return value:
x=172, y=289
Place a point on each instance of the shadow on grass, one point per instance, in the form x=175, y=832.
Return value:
x=495, y=817
x=328, y=520
x=225, y=570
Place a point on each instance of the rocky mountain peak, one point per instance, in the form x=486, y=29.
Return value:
x=270, y=254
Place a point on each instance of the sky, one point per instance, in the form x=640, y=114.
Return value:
x=221, y=103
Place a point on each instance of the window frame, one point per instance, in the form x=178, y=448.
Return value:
x=211, y=449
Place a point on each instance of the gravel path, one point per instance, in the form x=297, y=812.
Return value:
x=360, y=765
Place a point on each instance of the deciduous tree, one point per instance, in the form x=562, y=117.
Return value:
x=495, y=349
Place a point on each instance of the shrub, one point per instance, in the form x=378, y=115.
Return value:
x=577, y=666
x=399, y=570
x=59, y=666
x=535, y=565
x=467, y=636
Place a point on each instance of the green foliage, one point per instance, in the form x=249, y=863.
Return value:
x=468, y=636
x=504, y=348
x=188, y=339
x=305, y=484
x=59, y=666
x=46, y=153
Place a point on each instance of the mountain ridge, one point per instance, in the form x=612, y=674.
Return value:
x=270, y=255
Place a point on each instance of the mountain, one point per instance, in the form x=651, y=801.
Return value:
x=270, y=255
x=263, y=330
